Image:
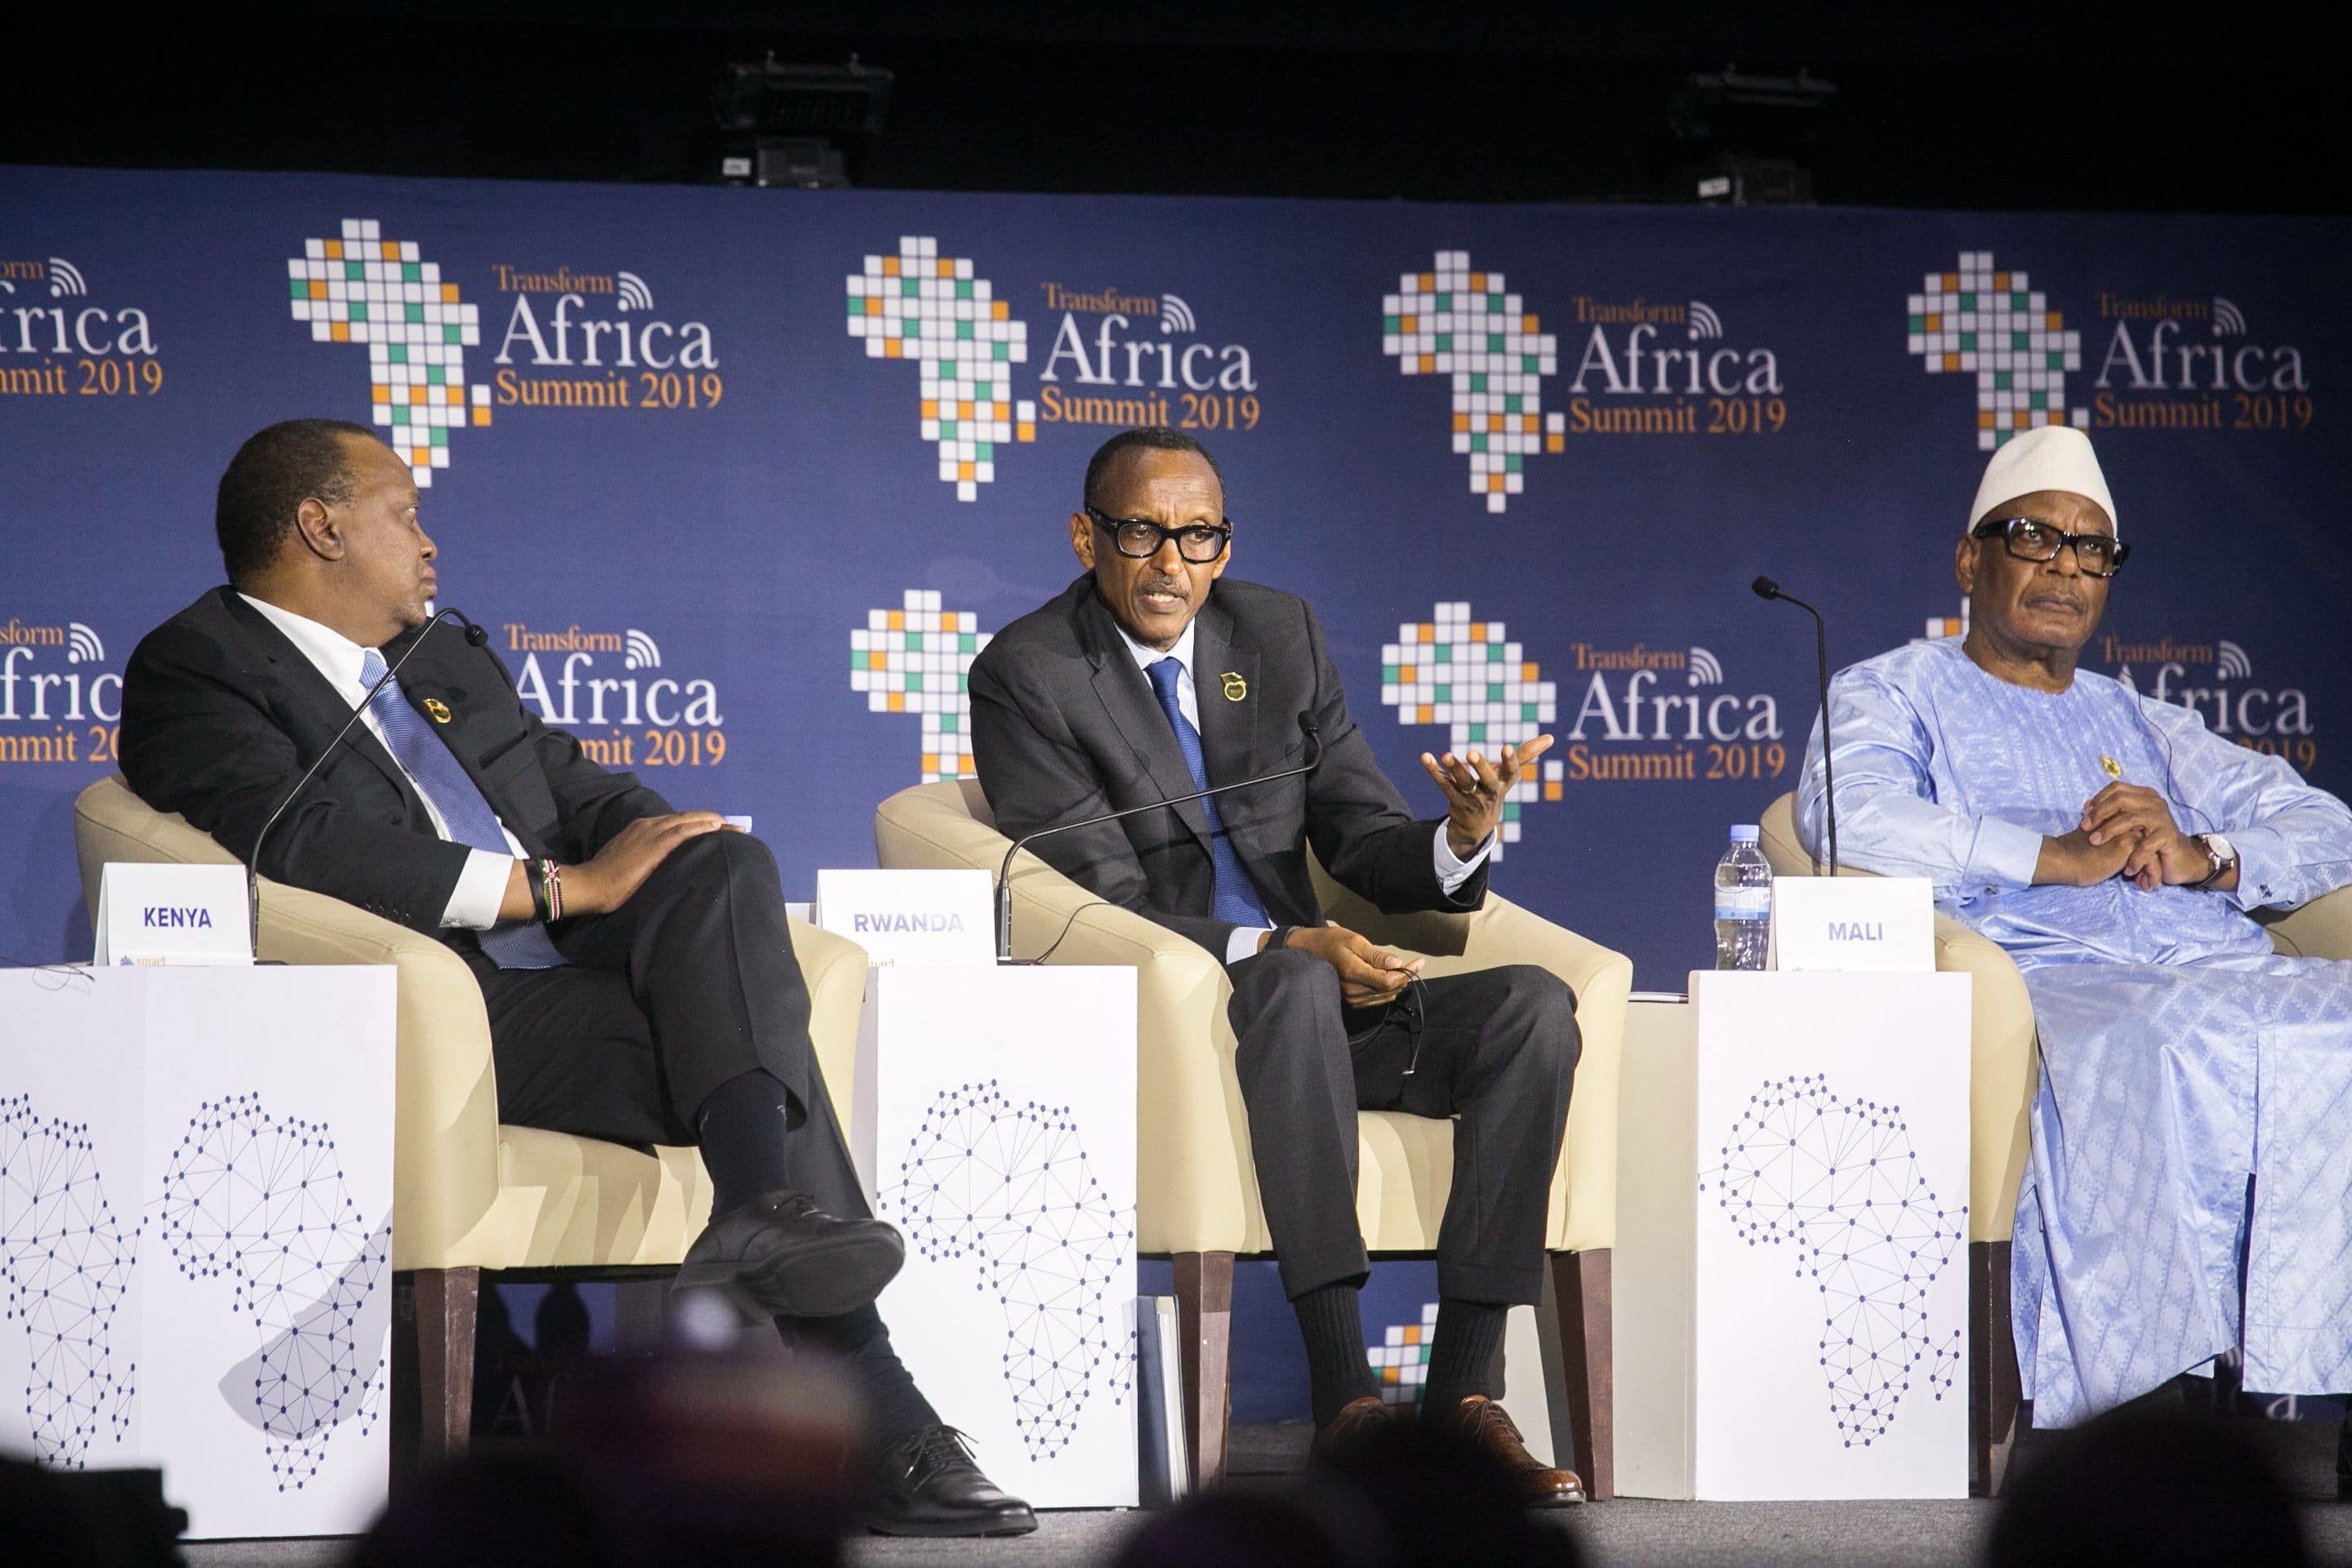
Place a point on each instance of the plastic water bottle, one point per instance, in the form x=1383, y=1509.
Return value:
x=1743, y=902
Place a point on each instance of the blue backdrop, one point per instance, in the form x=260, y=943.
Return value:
x=691, y=451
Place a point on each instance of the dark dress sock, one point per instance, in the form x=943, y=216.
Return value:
x=1462, y=1361
x=858, y=1341
x=741, y=1126
x=1331, y=1321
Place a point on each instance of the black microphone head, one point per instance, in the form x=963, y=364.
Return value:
x=1765, y=588
x=1307, y=726
x=476, y=635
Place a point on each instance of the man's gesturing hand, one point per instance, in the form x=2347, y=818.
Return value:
x=1475, y=788
x=1368, y=978
x=605, y=883
x=2162, y=854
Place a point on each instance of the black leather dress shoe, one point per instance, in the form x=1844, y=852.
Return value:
x=786, y=1255
x=929, y=1486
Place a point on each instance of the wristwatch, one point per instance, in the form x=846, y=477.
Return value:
x=2222, y=853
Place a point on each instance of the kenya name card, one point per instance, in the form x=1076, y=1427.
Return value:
x=156, y=913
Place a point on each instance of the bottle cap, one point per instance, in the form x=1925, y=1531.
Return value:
x=1744, y=833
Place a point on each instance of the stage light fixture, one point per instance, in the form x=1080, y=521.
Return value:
x=1751, y=138
x=798, y=126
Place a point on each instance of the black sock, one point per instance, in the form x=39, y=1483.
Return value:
x=1331, y=1321
x=1462, y=1360
x=741, y=1126
x=893, y=1406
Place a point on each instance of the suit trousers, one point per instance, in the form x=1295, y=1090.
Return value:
x=688, y=983
x=1495, y=1049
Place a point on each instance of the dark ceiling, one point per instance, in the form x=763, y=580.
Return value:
x=1995, y=106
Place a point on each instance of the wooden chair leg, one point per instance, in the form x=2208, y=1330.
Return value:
x=1204, y=1318
x=1994, y=1389
x=432, y=1333
x=1580, y=1288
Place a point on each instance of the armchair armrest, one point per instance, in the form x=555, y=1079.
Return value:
x=833, y=970
x=2320, y=929
x=2002, y=1069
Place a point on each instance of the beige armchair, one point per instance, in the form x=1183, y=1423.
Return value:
x=2002, y=1065
x=468, y=1193
x=1196, y=1187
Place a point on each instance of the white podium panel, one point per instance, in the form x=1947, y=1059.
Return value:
x=195, y=1234
x=996, y=1129
x=1790, y=1281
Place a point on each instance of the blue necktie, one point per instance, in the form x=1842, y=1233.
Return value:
x=433, y=769
x=1236, y=899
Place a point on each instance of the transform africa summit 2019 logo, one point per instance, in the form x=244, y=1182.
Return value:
x=1115, y=359
x=1632, y=376
x=2164, y=362
x=58, y=338
x=593, y=343
x=1630, y=723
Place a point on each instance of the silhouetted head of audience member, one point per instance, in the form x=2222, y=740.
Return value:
x=1410, y=1496
x=698, y=1458
x=2150, y=1489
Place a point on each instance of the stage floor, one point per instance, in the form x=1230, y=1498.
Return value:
x=1626, y=1531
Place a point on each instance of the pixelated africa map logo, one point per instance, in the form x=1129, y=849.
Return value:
x=361, y=288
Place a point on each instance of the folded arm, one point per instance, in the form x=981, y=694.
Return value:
x=2293, y=841
x=1888, y=821
x=195, y=742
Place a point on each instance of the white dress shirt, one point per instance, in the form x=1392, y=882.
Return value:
x=482, y=885
x=1452, y=870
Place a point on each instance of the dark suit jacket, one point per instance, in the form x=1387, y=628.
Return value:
x=1065, y=726
x=221, y=715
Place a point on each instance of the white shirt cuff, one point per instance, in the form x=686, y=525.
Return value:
x=1244, y=942
x=481, y=888
x=1452, y=872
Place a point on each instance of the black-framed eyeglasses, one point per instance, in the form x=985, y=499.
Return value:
x=1139, y=539
x=2030, y=539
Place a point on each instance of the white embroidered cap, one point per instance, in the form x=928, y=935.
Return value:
x=2050, y=457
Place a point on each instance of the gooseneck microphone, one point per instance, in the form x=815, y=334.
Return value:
x=1306, y=726
x=474, y=635
x=1767, y=589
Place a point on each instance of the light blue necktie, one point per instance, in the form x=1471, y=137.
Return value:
x=1235, y=900
x=433, y=769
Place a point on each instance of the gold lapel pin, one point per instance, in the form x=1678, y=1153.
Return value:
x=438, y=708
x=1235, y=687
x=2114, y=768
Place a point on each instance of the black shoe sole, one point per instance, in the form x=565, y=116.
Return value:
x=818, y=1279
x=941, y=1530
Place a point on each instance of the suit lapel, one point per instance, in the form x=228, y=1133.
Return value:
x=1125, y=694
x=310, y=689
x=1229, y=723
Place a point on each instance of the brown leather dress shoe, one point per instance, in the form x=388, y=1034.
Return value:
x=1357, y=1419
x=1490, y=1426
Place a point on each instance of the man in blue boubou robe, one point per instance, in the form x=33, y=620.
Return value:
x=2195, y=1110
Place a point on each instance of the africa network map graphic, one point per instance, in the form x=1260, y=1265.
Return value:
x=1007, y=1187
x=1835, y=1179
x=66, y=1261
x=258, y=1202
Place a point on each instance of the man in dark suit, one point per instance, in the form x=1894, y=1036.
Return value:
x=634, y=960
x=1152, y=676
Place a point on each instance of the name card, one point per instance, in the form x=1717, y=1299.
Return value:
x=152, y=914
x=911, y=917
x=1855, y=924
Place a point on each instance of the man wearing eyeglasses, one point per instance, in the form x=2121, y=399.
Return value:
x=2118, y=851
x=1155, y=675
